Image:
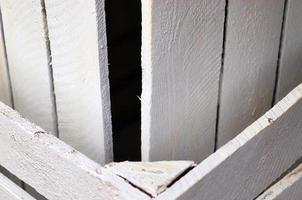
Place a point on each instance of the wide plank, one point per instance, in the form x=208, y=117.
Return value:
x=77, y=36
x=290, y=68
x=181, y=60
x=249, y=163
x=53, y=168
x=250, y=59
x=28, y=61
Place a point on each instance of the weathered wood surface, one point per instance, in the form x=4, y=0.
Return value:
x=251, y=53
x=181, y=59
x=290, y=69
x=11, y=191
x=77, y=37
x=151, y=177
x=54, y=169
x=5, y=90
x=250, y=162
x=288, y=188
x=28, y=58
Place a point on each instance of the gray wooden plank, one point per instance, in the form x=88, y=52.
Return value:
x=5, y=90
x=249, y=163
x=290, y=69
x=251, y=53
x=288, y=188
x=77, y=35
x=181, y=60
x=53, y=168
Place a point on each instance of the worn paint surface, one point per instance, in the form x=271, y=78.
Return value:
x=53, y=168
x=250, y=162
x=151, y=177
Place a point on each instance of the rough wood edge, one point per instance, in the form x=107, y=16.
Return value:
x=224, y=153
x=52, y=167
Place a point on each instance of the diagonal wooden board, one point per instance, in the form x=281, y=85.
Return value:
x=250, y=162
x=151, y=177
x=53, y=168
x=10, y=191
x=288, y=188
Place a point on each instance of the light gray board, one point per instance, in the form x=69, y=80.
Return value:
x=28, y=61
x=53, y=168
x=290, y=69
x=288, y=188
x=249, y=163
x=77, y=35
x=181, y=60
x=251, y=53
x=5, y=92
x=11, y=191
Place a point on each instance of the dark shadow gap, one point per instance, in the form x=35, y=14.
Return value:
x=221, y=72
x=279, y=54
x=123, y=21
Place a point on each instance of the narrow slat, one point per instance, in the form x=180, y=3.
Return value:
x=290, y=70
x=181, y=59
x=77, y=37
x=251, y=53
x=249, y=163
x=5, y=92
x=11, y=191
x=288, y=188
x=28, y=61
x=54, y=169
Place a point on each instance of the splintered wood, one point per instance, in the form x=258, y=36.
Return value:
x=151, y=177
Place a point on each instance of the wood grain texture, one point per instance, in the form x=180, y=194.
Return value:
x=290, y=69
x=181, y=59
x=288, y=188
x=28, y=61
x=249, y=163
x=5, y=90
x=11, y=191
x=251, y=53
x=53, y=168
x=151, y=177
x=77, y=36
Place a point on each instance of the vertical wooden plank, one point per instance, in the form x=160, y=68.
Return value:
x=28, y=61
x=77, y=36
x=251, y=53
x=11, y=191
x=288, y=188
x=290, y=69
x=5, y=90
x=181, y=59
x=252, y=161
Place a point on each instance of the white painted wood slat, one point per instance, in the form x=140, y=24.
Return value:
x=288, y=188
x=290, y=69
x=251, y=53
x=11, y=191
x=28, y=61
x=250, y=162
x=5, y=92
x=77, y=37
x=181, y=59
x=54, y=169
